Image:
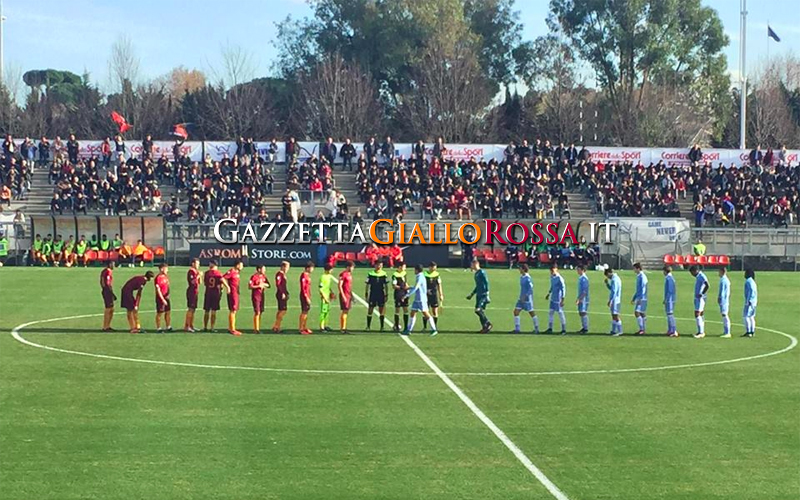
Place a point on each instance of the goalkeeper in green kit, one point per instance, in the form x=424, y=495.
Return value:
x=481, y=294
x=326, y=294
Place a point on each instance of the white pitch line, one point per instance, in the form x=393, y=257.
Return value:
x=521, y=456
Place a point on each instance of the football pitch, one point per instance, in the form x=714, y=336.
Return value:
x=90, y=415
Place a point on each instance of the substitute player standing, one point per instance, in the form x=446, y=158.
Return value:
x=435, y=292
x=305, y=298
x=525, y=301
x=420, y=304
x=640, y=298
x=583, y=299
x=193, y=277
x=281, y=295
x=614, y=285
x=131, y=296
x=163, y=305
x=750, y=303
x=232, y=279
x=107, y=291
x=213, y=281
x=257, y=284
x=481, y=294
x=724, y=302
x=400, y=299
x=326, y=295
x=345, y=294
x=377, y=291
x=670, y=297
x=701, y=287
x=556, y=294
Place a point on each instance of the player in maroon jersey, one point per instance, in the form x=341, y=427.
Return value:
x=130, y=302
x=232, y=277
x=281, y=295
x=107, y=291
x=258, y=283
x=193, y=277
x=345, y=294
x=305, y=298
x=214, y=283
x=163, y=305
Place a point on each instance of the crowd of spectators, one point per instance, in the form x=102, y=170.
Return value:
x=532, y=181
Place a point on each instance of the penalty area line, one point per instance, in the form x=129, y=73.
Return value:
x=518, y=453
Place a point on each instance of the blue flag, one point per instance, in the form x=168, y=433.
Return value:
x=772, y=34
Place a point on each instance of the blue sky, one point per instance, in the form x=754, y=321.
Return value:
x=77, y=34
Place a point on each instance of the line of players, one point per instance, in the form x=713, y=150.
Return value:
x=557, y=296
x=427, y=294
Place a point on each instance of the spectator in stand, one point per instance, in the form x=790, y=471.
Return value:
x=370, y=149
x=105, y=151
x=328, y=151
x=756, y=156
x=439, y=148
x=695, y=154
x=387, y=151
x=147, y=148
x=44, y=152
x=73, y=149
x=292, y=150
x=348, y=152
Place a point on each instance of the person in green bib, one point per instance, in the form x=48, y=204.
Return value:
x=69, y=252
x=94, y=244
x=37, y=249
x=3, y=249
x=105, y=244
x=57, y=251
x=117, y=243
x=47, y=249
x=326, y=295
x=80, y=250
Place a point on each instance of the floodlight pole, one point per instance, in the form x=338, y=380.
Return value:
x=743, y=76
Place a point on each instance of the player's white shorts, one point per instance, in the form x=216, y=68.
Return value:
x=614, y=308
x=526, y=306
x=555, y=306
x=420, y=305
x=583, y=306
x=699, y=304
x=669, y=307
x=749, y=311
x=641, y=306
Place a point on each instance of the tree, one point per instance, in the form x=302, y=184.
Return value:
x=180, y=80
x=123, y=70
x=634, y=45
x=770, y=117
x=336, y=98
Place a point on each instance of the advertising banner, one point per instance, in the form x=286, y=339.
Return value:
x=273, y=255
x=652, y=230
x=225, y=255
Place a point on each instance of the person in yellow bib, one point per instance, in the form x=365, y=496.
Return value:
x=80, y=251
x=3, y=249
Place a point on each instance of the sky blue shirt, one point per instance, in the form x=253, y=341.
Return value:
x=420, y=290
x=558, y=289
x=525, y=288
x=641, y=287
x=699, y=282
x=583, y=288
x=750, y=292
x=724, y=295
x=615, y=289
x=670, y=293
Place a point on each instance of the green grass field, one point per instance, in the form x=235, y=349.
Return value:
x=364, y=417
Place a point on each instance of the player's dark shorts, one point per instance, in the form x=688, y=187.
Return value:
x=108, y=298
x=482, y=301
x=211, y=301
x=233, y=302
x=345, y=302
x=377, y=300
x=129, y=302
x=433, y=300
x=258, y=304
x=191, y=298
x=163, y=306
x=305, y=305
x=283, y=304
x=400, y=300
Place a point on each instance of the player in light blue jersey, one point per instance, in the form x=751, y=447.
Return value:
x=420, y=294
x=670, y=297
x=750, y=303
x=640, y=298
x=701, y=287
x=525, y=301
x=558, y=290
x=614, y=285
x=724, y=301
x=583, y=299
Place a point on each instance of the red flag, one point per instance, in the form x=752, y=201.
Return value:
x=180, y=131
x=120, y=121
